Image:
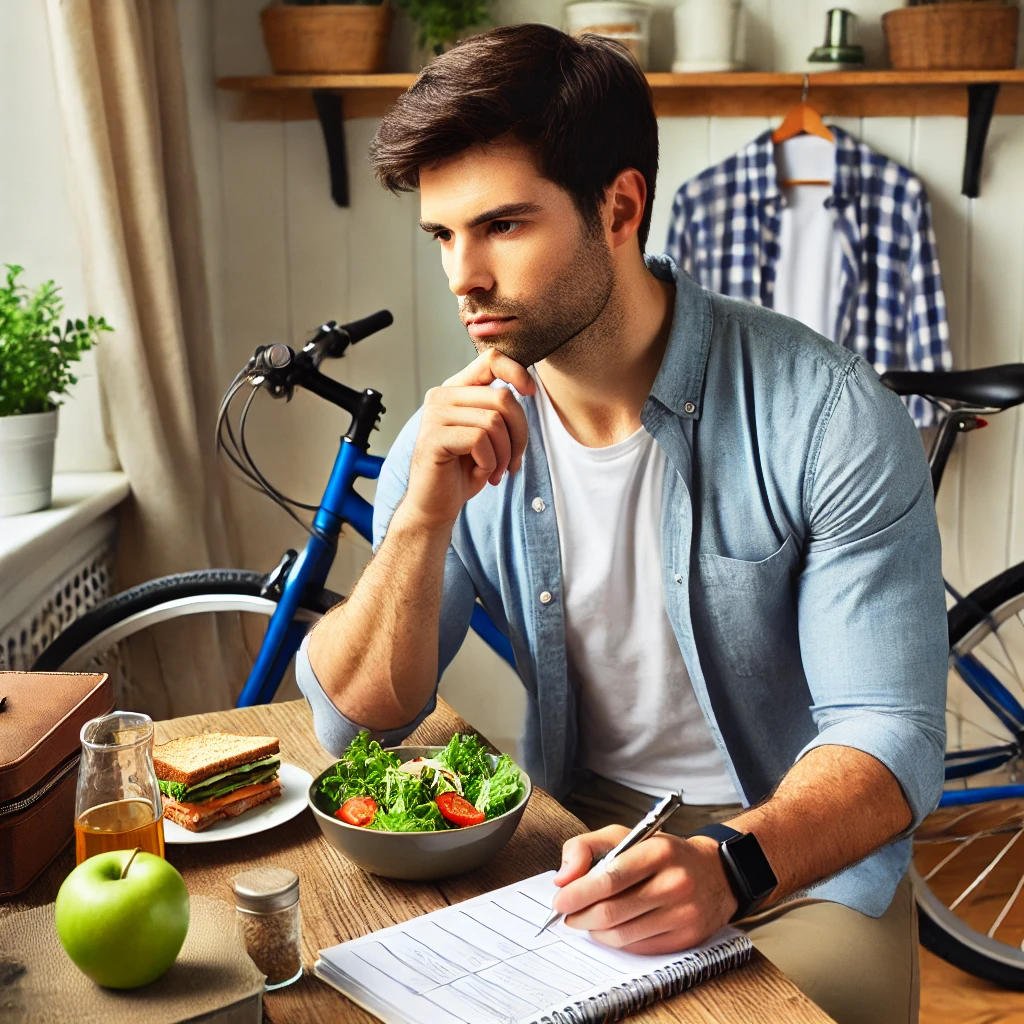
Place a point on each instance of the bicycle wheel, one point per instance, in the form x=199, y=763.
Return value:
x=968, y=868
x=96, y=642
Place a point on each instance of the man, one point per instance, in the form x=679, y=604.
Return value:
x=708, y=533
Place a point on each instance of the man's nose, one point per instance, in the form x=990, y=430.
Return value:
x=467, y=271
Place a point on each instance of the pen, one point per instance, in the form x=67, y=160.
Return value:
x=647, y=826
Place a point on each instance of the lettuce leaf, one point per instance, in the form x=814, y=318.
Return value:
x=503, y=790
x=362, y=771
x=465, y=755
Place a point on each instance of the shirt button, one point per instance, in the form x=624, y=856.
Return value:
x=545, y=597
x=679, y=579
x=538, y=505
x=690, y=408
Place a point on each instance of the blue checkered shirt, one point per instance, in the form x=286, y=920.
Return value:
x=725, y=233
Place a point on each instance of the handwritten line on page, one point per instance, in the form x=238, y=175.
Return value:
x=481, y=962
x=504, y=922
x=465, y=927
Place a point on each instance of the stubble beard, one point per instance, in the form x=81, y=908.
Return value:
x=566, y=316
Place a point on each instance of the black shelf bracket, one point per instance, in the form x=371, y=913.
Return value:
x=981, y=102
x=329, y=110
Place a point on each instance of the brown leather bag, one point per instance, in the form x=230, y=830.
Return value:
x=39, y=749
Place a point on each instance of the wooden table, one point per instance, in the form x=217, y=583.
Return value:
x=339, y=901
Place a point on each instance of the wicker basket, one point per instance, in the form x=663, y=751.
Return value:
x=327, y=39
x=952, y=36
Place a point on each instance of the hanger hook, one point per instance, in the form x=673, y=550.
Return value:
x=806, y=89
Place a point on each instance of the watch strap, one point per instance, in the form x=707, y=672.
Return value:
x=717, y=831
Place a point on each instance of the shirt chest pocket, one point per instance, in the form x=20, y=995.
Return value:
x=751, y=608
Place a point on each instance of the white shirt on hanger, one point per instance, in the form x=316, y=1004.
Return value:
x=810, y=253
x=639, y=721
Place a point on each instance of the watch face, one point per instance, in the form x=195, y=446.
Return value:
x=749, y=858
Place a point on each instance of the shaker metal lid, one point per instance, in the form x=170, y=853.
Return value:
x=265, y=890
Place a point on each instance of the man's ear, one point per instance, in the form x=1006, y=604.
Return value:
x=625, y=200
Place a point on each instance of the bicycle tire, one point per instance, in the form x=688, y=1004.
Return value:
x=963, y=617
x=153, y=594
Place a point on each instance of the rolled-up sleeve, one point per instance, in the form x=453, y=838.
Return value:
x=333, y=729
x=872, y=615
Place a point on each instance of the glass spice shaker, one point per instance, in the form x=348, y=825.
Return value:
x=267, y=905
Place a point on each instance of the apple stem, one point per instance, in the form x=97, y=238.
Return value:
x=136, y=851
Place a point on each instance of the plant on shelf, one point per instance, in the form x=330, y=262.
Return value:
x=36, y=353
x=442, y=22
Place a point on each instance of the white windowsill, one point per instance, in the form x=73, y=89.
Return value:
x=28, y=541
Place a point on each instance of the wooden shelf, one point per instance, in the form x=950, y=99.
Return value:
x=975, y=95
x=727, y=94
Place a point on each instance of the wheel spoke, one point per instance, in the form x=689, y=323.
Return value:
x=1006, y=909
x=975, y=725
x=984, y=874
x=964, y=843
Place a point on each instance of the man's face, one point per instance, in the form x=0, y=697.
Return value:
x=529, y=273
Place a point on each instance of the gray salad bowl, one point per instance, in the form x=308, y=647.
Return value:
x=418, y=856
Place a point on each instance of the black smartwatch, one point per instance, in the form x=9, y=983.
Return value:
x=747, y=869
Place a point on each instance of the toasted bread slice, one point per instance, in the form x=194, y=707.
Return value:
x=196, y=817
x=190, y=759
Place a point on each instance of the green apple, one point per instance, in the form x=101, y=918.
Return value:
x=123, y=932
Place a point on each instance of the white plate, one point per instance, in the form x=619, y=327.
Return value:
x=295, y=784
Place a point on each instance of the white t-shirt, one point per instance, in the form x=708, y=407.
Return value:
x=810, y=252
x=639, y=720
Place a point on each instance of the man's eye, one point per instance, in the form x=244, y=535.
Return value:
x=443, y=235
x=504, y=227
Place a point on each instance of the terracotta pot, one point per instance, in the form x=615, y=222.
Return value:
x=326, y=39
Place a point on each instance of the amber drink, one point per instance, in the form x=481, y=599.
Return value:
x=118, y=805
x=120, y=825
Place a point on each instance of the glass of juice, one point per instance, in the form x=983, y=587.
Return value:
x=118, y=806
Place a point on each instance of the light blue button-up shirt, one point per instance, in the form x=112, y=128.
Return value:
x=802, y=571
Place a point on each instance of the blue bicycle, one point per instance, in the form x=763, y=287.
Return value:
x=968, y=869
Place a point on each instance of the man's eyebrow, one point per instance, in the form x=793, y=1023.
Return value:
x=506, y=212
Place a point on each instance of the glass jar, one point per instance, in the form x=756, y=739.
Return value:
x=269, y=924
x=117, y=803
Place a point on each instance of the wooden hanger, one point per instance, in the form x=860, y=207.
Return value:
x=799, y=120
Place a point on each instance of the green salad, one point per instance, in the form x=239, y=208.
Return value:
x=373, y=788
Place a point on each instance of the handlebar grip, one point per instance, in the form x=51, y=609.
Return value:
x=359, y=329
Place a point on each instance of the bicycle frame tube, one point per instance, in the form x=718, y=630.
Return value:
x=987, y=688
x=339, y=504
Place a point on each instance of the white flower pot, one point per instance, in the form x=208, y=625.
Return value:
x=26, y=462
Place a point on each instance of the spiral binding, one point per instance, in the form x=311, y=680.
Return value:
x=637, y=994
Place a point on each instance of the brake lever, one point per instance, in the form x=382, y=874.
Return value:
x=271, y=367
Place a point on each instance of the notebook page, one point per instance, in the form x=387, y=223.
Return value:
x=481, y=962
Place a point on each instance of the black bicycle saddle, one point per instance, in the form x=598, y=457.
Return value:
x=992, y=387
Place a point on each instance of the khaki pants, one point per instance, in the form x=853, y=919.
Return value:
x=858, y=969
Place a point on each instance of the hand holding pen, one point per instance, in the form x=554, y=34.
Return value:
x=647, y=826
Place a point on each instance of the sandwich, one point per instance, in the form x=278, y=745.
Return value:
x=216, y=775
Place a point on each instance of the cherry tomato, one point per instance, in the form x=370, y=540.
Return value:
x=357, y=810
x=458, y=810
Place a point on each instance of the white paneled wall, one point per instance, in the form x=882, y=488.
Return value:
x=285, y=258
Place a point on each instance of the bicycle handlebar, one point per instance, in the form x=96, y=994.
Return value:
x=359, y=329
x=279, y=369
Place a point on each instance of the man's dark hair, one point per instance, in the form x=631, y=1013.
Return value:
x=582, y=104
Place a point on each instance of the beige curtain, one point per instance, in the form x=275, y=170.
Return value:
x=122, y=100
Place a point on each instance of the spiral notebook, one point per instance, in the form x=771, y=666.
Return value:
x=482, y=962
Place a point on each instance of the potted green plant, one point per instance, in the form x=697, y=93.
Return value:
x=36, y=354
x=442, y=22
x=326, y=36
